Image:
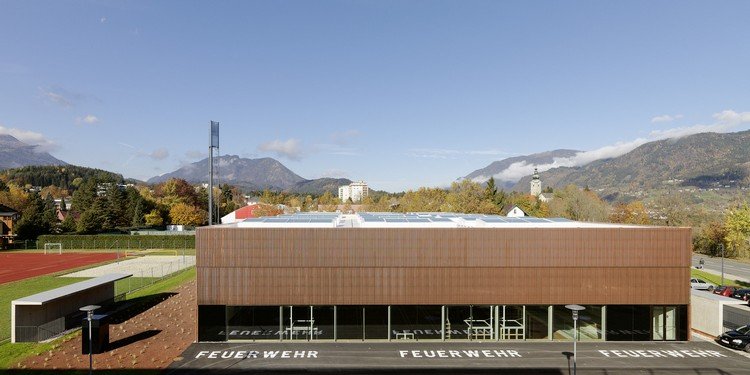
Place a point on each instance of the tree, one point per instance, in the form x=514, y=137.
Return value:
x=185, y=214
x=468, y=197
x=490, y=190
x=710, y=238
x=115, y=203
x=33, y=222
x=630, y=213
x=84, y=196
x=737, y=224
x=154, y=218
x=576, y=204
x=93, y=219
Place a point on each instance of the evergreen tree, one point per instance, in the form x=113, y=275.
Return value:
x=32, y=223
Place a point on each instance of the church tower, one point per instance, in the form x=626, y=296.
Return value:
x=536, y=184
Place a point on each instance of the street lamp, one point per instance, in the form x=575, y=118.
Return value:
x=575, y=309
x=89, y=310
x=721, y=245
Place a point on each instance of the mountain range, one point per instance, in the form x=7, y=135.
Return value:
x=253, y=174
x=14, y=154
x=702, y=161
x=705, y=160
x=504, y=170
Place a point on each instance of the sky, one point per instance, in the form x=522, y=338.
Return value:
x=401, y=94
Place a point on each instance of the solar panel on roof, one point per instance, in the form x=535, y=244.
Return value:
x=534, y=220
x=441, y=220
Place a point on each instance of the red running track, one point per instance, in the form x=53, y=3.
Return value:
x=20, y=266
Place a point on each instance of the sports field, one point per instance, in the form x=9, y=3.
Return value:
x=18, y=266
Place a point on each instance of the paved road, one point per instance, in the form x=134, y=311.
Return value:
x=741, y=270
x=460, y=358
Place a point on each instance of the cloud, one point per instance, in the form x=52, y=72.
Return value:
x=64, y=98
x=159, y=154
x=726, y=121
x=195, y=154
x=343, y=138
x=333, y=173
x=441, y=153
x=665, y=118
x=126, y=145
x=731, y=117
x=103, y=20
x=57, y=98
x=41, y=143
x=290, y=149
x=88, y=119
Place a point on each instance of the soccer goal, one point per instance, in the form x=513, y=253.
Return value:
x=51, y=248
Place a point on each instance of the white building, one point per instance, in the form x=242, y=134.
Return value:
x=536, y=184
x=355, y=191
x=516, y=212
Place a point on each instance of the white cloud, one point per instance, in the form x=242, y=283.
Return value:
x=159, y=154
x=345, y=137
x=665, y=118
x=195, y=154
x=731, y=117
x=103, y=20
x=88, y=119
x=57, y=98
x=290, y=149
x=35, y=139
x=726, y=121
x=333, y=173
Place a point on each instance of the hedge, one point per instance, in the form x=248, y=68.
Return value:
x=119, y=241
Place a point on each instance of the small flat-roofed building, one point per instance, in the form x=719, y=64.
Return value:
x=43, y=315
x=442, y=277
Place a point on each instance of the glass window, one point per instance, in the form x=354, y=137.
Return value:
x=589, y=323
x=537, y=322
x=417, y=322
x=212, y=323
x=253, y=322
x=349, y=322
x=628, y=323
x=323, y=317
x=456, y=327
x=511, y=323
x=376, y=322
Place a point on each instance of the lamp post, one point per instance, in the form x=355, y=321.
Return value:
x=89, y=310
x=721, y=245
x=575, y=309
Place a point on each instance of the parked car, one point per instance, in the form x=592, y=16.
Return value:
x=742, y=294
x=726, y=291
x=737, y=339
x=701, y=284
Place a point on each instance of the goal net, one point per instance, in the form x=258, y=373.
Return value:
x=51, y=248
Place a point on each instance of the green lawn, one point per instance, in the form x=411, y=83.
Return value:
x=716, y=279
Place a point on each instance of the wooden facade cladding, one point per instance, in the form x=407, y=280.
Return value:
x=443, y=266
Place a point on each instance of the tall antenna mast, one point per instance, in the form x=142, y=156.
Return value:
x=213, y=143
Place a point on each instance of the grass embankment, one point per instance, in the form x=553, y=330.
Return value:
x=11, y=354
x=716, y=279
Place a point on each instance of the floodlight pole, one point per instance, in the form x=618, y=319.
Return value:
x=213, y=142
x=575, y=309
x=89, y=315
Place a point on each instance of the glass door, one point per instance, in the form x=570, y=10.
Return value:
x=664, y=323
